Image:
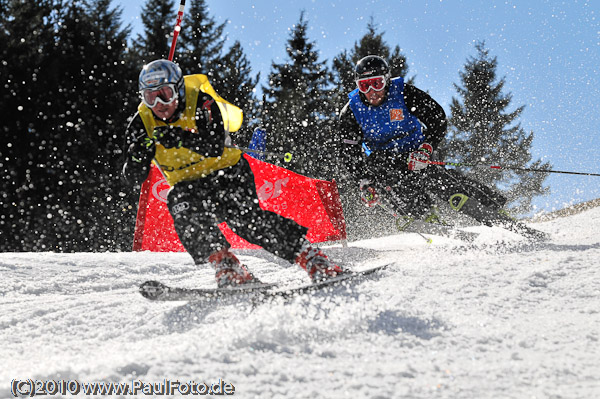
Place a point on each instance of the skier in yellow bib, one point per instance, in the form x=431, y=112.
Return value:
x=183, y=125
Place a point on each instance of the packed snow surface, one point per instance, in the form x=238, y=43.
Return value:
x=497, y=318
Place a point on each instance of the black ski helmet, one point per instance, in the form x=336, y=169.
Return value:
x=372, y=65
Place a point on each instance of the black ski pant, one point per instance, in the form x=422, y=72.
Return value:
x=408, y=193
x=229, y=195
x=412, y=192
x=444, y=183
x=406, y=189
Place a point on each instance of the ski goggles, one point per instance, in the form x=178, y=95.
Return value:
x=376, y=83
x=164, y=94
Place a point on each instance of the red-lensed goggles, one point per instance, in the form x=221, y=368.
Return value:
x=376, y=83
x=164, y=94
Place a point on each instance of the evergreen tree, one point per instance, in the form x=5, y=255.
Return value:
x=27, y=38
x=200, y=51
x=113, y=88
x=86, y=128
x=4, y=4
x=298, y=101
x=235, y=83
x=482, y=129
x=67, y=124
x=201, y=41
x=158, y=18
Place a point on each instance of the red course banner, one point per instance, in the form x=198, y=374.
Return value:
x=310, y=202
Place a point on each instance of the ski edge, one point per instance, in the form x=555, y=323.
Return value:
x=331, y=282
x=157, y=291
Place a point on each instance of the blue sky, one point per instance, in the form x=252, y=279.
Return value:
x=547, y=50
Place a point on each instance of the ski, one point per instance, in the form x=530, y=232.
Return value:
x=459, y=202
x=431, y=225
x=157, y=291
x=493, y=217
x=351, y=277
x=483, y=206
x=481, y=203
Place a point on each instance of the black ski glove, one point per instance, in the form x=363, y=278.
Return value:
x=139, y=156
x=172, y=136
x=142, y=150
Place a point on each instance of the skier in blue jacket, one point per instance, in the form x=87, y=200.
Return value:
x=388, y=131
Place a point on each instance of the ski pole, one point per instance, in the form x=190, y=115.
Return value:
x=369, y=196
x=177, y=29
x=394, y=214
x=460, y=164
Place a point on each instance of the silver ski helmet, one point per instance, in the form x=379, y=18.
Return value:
x=161, y=72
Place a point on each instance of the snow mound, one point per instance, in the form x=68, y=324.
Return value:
x=499, y=317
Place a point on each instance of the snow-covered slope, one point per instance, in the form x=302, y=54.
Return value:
x=499, y=318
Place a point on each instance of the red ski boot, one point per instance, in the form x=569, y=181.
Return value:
x=229, y=272
x=317, y=264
